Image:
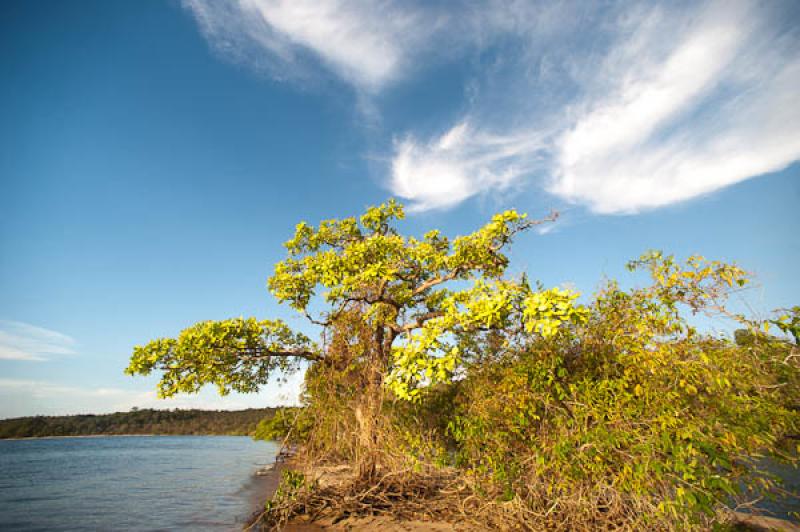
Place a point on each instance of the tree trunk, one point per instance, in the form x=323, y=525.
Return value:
x=368, y=416
x=368, y=419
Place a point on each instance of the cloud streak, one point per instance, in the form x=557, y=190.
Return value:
x=639, y=147
x=460, y=163
x=368, y=44
x=676, y=107
x=22, y=341
x=620, y=108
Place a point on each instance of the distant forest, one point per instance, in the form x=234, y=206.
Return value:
x=145, y=421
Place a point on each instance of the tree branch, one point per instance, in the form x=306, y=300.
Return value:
x=420, y=321
x=430, y=283
x=254, y=353
x=552, y=217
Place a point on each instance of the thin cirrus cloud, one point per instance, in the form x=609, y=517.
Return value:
x=720, y=108
x=366, y=43
x=22, y=341
x=459, y=164
x=369, y=44
x=620, y=108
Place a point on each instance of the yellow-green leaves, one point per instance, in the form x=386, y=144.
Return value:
x=237, y=354
x=145, y=358
x=403, y=284
x=789, y=323
x=414, y=368
x=377, y=219
x=430, y=356
x=625, y=394
x=544, y=312
x=699, y=283
x=356, y=258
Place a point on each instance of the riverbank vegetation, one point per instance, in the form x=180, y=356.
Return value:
x=139, y=421
x=451, y=389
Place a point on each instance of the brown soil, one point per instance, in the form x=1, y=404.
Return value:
x=382, y=523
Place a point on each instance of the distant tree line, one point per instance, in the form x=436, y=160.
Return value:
x=144, y=421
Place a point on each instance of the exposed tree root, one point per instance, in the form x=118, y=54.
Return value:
x=445, y=495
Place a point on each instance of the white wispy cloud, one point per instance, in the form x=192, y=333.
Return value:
x=639, y=146
x=367, y=43
x=620, y=107
x=677, y=106
x=460, y=163
x=22, y=341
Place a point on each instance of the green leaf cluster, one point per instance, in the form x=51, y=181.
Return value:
x=237, y=354
x=431, y=355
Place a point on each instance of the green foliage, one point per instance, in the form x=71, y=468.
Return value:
x=350, y=260
x=287, y=422
x=634, y=398
x=237, y=354
x=291, y=485
x=789, y=323
x=431, y=354
x=699, y=284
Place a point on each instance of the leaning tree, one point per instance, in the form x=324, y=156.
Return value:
x=415, y=297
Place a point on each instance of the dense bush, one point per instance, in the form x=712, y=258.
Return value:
x=633, y=409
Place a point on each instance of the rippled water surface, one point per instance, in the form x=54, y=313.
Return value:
x=130, y=483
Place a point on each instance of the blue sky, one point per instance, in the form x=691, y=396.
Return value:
x=155, y=155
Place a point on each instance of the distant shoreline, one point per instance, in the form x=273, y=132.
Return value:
x=76, y=436
x=122, y=436
x=146, y=421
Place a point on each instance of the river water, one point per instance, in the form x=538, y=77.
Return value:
x=196, y=483
x=131, y=483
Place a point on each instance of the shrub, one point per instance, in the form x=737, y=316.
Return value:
x=634, y=408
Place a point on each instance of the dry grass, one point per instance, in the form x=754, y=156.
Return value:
x=334, y=494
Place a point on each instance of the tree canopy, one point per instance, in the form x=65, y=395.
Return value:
x=418, y=296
